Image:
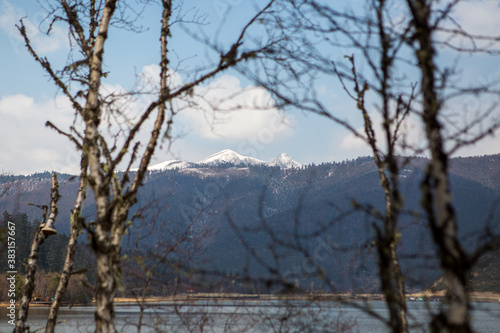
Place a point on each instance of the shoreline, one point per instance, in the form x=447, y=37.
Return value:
x=484, y=297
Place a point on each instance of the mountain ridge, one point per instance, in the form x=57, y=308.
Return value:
x=263, y=202
x=226, y=156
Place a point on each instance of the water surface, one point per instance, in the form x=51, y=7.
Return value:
x=254, y=316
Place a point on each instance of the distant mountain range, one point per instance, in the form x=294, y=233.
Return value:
x=226, y=156
x=246, y=215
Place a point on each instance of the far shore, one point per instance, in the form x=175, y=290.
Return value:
x=488, y=297
x=191, y=297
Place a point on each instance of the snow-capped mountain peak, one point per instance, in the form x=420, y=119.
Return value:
x=225, y=156
x=284, y=162
x=229, y=156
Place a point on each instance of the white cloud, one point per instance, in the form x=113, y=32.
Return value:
x=477, y=18
x=226, y=111
x=28, y=145
x=33, y=147
x=352, y=142
x=42, y=43
x=150, y=78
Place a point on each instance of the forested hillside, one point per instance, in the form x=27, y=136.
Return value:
x=50, y=260
x=260, y=220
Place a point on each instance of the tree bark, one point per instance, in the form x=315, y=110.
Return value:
x=31, y=268
x=92, y=117
x=75, y=231
x=106, y=286
x=111, y=222
x=436, y=187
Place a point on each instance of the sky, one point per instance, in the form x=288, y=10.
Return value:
x=28, y=98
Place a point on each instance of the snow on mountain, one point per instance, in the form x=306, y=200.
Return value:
x=284, y=162
x=170, y=164
x=229, y=156
x=226, y=156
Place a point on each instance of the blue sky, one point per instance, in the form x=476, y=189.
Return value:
x=28, y=99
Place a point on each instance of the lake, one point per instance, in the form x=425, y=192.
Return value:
x=252, y=316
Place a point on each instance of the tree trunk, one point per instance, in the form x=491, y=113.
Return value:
x=436, y=187
x=31, y=268
x=391, y=277
x=105, y=293
x=92, y=117
x=63, y=282
x=72, y=244
x=29, y=283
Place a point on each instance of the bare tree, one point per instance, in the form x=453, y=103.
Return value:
x=386, y=160
x=75, y=231
x=390, y=39
x=437, y=196
x=369, y=33
x=42, y=232
x=81, y=81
